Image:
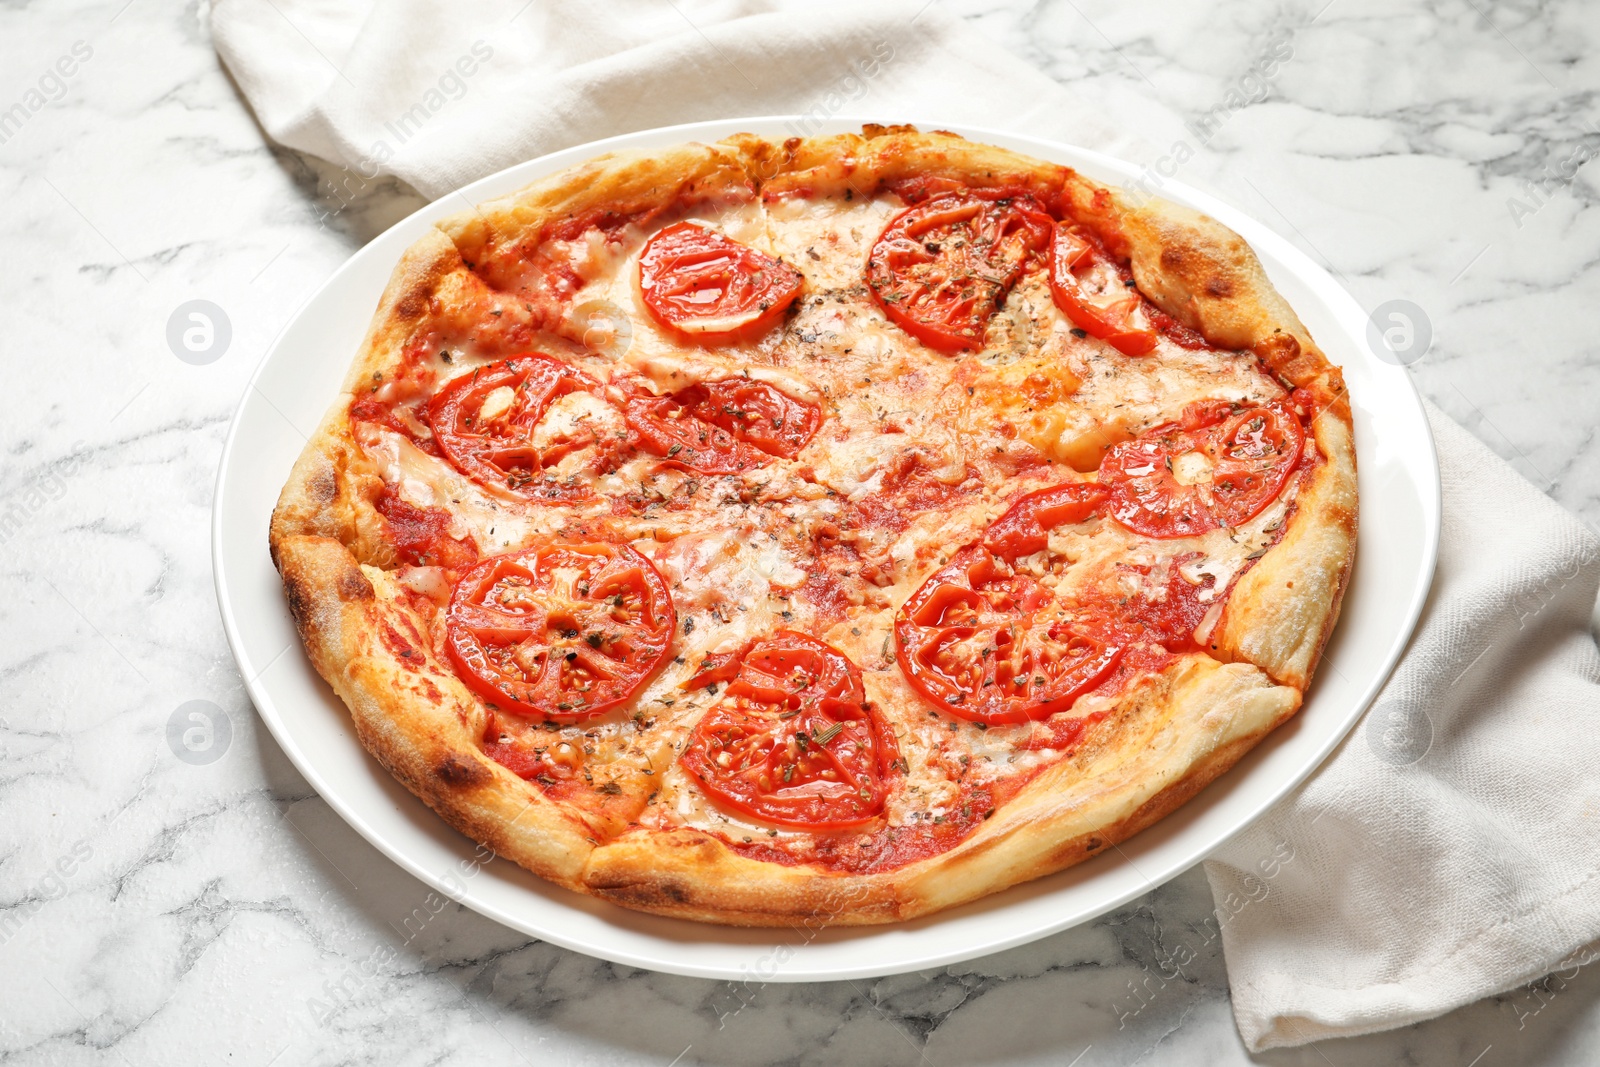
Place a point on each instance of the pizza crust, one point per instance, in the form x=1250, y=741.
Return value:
x=414, y=716
x=634, y=182
x=1181, y=730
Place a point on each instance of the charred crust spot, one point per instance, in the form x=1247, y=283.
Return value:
x=653, y=894
x=461, y=773
x=322, y=487
x=1279, y=348
x=418, y=297
x=413, y=304
x=763, y=160
x=299, y=603
x=1173, y=259
x=353, y=585
x=1219, y=286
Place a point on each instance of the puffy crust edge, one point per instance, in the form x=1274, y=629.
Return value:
x=632, y=182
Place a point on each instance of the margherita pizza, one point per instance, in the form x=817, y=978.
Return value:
x=830, y=531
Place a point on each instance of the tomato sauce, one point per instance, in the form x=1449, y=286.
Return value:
x=406, y=651
x=552, y=762
x=1061, y=731
x=826, y=595
x=908, y=487
x=887, y=847
x=366, y=409
x=421, y=536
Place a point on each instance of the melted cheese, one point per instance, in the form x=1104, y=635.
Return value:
x=575, y=417
x=426, y=481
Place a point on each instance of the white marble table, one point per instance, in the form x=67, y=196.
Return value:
x=158, y=910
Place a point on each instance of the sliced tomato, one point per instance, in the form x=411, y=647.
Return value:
x=1097, y=295
x=723, y=427
x=1025, y=527
x=560, y=631
x=942, y=267
x=757, y=413
x=667, y=430
x=1221, y=464
x=717, y=667
x=700, y=283
x=1255, y=451
x=991, y=644
x=794, y=743
x=988, y=642
x=484, y=423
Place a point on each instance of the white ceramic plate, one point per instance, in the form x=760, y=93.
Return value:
x=1399, y=485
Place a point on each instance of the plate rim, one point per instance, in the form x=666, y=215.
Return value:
x=265, y=708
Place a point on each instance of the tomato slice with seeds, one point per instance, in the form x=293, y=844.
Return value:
x=794, y=742
x=664, y=427
x=1097, y=295
x=987, y=642
x=700, y=283
x=723, y=427
x=1221, y=464
x=560, y=631
x=942, y=267
x=485, y=423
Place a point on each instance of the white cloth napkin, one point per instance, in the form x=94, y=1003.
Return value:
x=440, y=94
x=1448, y=851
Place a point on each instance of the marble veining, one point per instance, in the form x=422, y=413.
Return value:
x=163, y=909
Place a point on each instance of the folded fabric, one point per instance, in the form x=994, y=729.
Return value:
x=1450, y=849
x=439, y=95
x=1447, y=851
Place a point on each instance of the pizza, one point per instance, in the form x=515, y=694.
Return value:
x=826, y=531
